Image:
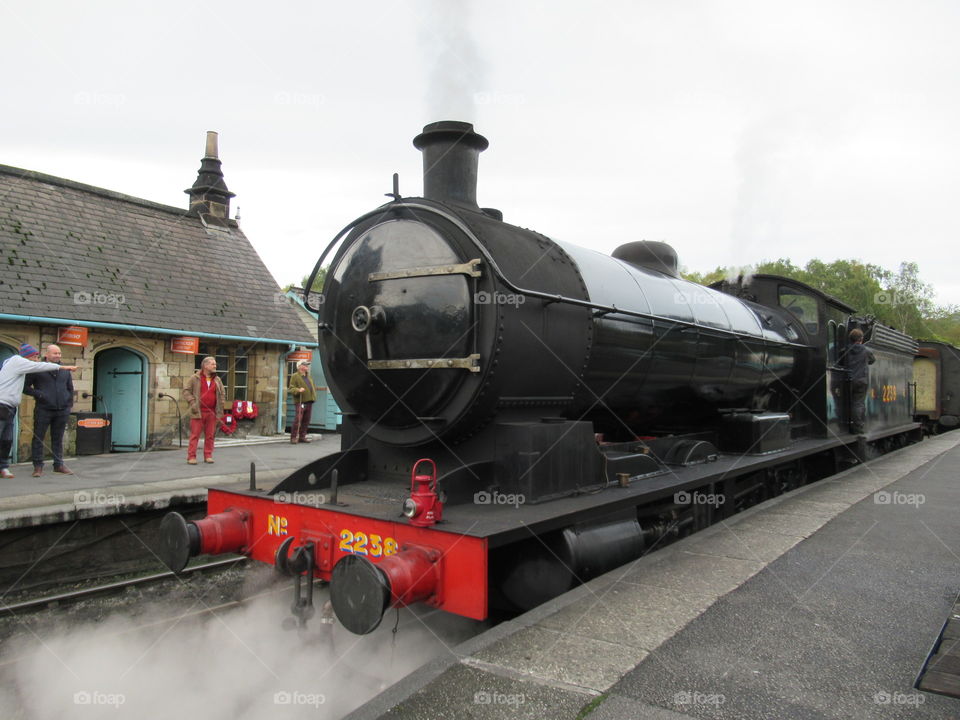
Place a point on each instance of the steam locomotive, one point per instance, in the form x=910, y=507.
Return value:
x=522, y=414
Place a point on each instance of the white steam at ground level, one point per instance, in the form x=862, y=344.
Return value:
x=237, y=664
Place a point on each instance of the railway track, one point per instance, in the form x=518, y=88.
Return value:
x=53, y=601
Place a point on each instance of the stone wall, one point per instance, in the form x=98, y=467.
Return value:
x=166, y=371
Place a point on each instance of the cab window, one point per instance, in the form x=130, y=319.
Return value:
x=802, y=306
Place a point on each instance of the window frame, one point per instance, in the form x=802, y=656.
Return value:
x=227, y=357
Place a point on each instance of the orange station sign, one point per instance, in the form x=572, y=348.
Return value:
x=93, y=422
x=73, y=335
x=300, y=355
x=185, y=344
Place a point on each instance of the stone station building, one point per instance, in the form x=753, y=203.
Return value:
x=136, y=293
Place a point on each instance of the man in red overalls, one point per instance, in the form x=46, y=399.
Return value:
x=205, y=394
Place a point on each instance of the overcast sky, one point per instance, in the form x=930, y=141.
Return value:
x=735, y=131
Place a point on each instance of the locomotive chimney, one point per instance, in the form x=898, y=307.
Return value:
x=451, y=151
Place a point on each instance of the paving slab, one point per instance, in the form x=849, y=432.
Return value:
x=734, y=541
x=481, y=695
x=638, y=615
x=693, y=574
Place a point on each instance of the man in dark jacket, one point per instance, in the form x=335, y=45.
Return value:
x=857, y=359
x=53, y=391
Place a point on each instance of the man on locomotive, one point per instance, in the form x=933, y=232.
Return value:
x=858, y=358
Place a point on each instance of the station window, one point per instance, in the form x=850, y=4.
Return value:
x=232, y=367
x=802, y=305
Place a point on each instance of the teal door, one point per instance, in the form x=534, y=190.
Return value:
x=5, y=352
x=118, y=384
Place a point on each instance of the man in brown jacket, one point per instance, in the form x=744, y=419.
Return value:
x=304, y=394
x=205, y=394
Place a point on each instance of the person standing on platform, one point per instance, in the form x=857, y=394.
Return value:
x=205, y=394
x=305, y=394
x=12, y=375
x=53, y=392
x=858, y=358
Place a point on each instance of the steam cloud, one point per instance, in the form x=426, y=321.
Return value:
x=456, y=70
x=238, y=665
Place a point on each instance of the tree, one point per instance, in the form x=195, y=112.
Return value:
x=781, y=266
x=318, y=282
x=943, y=324
x=898, y=299
x=910, y=299
x=704, y=278
x=851, y=281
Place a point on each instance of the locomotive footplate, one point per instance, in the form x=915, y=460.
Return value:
x=375, y=557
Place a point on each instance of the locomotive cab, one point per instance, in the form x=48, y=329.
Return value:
x=819, y=321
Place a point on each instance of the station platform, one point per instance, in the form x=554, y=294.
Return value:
x=121, y=483
x=822, y=603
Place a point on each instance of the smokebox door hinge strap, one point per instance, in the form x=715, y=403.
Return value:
x=471, y=363
x=470, y=268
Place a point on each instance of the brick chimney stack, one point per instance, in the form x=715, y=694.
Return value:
x=209, y=195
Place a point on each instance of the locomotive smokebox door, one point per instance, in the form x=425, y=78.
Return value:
x=406, y=293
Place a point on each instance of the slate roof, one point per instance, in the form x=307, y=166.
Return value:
x=77, y=252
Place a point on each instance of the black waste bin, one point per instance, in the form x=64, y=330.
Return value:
x=94, y=433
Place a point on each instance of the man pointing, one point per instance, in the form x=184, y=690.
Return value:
x=12, y=374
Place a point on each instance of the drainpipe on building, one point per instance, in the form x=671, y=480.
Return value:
x=281, y=396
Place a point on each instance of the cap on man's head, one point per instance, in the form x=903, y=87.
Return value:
x=28, y=350
x=301, y=363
